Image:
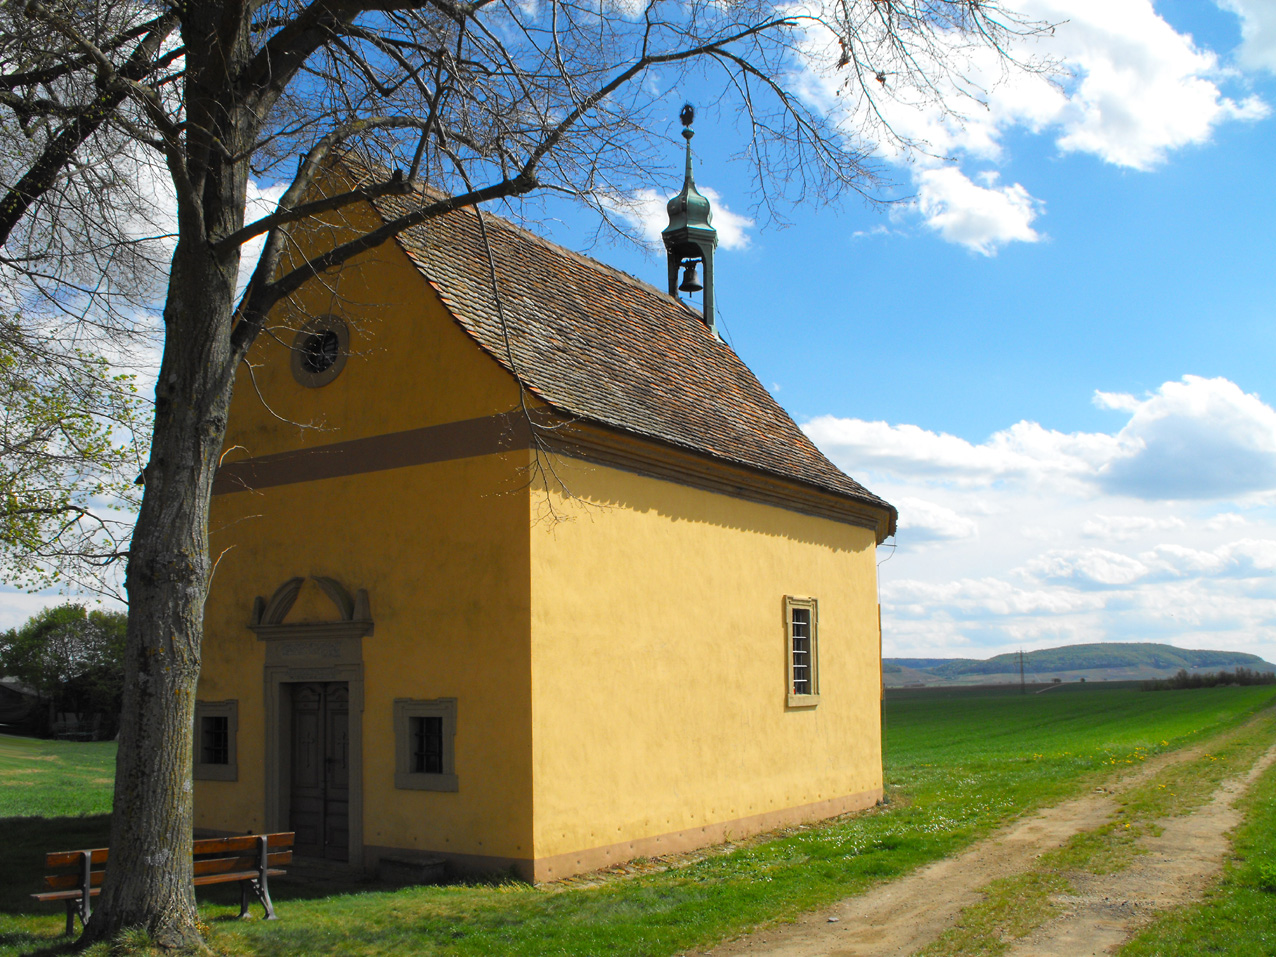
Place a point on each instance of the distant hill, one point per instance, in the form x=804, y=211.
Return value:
x=1112, y=661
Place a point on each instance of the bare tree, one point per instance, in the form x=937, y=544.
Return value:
x=449, y=103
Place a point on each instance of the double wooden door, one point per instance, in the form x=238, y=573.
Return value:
x=320, y=799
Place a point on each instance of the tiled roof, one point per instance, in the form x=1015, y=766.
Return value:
x=599, y=344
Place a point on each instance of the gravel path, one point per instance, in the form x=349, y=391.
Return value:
x=899, y=918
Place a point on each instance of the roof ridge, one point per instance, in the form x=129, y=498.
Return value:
x=509, y=225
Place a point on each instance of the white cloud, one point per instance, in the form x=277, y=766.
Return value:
x=981, y=218
x=1193, y=439
x=1226, y=520
x=1127, y=88
x=1087, y=567
x=1258, y=33
x=925, y=521
x=646, y=210
x=1198, y=438
x=1123, y=528
x=1162, y=529
x=262, y=201
x=1025, y=453
x=1138, y=89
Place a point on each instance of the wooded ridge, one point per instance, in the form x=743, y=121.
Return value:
x=1122, y=659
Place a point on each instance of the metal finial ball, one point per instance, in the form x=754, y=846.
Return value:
x=688, y=114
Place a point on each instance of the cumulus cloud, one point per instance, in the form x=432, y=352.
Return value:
x=1087, y=568
x=1128, y=89
x=981, y=218
x=1162, y=529
x=1123, y=528
x=1136, y=88
x=980, y=597
x=646, y=211
x=1193, y=439
x=1258, y=33
x=1024, y=453
x=925, y=521
x=1197, y=439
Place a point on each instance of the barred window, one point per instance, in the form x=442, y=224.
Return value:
x=427, y=744
x=214, y=739
x=800, y=623
x=424, y=731
x=216, y=727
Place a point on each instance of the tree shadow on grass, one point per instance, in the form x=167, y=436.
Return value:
x=29, y=839
x=36, y=945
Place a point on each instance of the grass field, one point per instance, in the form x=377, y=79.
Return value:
x=960, y=762
x=55, y=778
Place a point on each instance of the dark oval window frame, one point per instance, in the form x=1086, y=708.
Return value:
x=302, y=370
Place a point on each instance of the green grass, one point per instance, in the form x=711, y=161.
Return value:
x=1237, y=918
x=1015, y=906
x=55, y=778
x=961, y=762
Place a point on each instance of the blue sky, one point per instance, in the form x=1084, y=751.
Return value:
x=1054, y=353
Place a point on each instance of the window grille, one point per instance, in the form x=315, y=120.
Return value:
x=215, y=739
x=801, y=626
x=427, y=745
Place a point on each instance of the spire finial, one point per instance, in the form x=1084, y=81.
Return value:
x=688, y=116
x=690, y=238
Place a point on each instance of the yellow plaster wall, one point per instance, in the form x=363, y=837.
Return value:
x=440, y=548
x=442, y=552
x=410, y=365
x=659, y=660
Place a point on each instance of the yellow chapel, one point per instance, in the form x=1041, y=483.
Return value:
x=518, y=566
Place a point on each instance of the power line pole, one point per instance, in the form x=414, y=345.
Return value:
x=1023, y=685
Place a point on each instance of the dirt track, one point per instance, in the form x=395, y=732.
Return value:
x=899, y=918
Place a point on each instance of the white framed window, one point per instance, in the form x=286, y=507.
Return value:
x=424, y=752
x=802, y=645
x=216, y=727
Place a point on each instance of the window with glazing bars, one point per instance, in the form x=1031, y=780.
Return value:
x=801, y=621
x=427, y=744
x=801, y=626
x=214, y=739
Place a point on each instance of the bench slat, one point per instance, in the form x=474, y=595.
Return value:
x=56, y=882
x=226, y=845
x=220, y=865
x=56, y=859
x=208, y=845
x=234, y=876
x=65, y=895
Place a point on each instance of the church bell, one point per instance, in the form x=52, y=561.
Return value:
x=690, y=282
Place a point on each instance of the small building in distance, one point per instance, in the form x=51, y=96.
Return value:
x=518, y=565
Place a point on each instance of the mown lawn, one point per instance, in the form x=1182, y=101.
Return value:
x=959, y=764
x=55, y=778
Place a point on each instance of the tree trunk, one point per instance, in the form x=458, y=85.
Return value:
x=148, y=878
x=148, y=881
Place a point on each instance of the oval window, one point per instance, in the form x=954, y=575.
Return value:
x=319, y=351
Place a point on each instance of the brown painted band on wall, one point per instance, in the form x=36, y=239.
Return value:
x=506, y=432
x=512, y=431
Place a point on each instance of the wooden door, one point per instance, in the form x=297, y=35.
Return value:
x=320, y=800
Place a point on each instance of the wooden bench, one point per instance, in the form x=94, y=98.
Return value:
x=76, y=876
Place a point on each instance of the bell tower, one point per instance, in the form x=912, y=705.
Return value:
x=690, y=238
